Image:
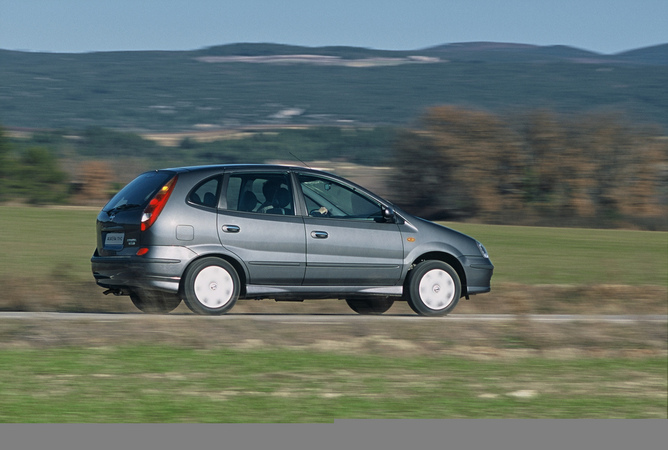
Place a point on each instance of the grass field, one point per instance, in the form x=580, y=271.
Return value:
x=157, y=384
x=187, y=368
x=43, y=241
x=39, y=242
x=534, y=255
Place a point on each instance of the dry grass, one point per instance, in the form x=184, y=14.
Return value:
x=513, y=298
x=60, y=294
x=373, y=335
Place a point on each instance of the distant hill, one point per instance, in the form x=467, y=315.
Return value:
x=271, y=84
x=466, y=51
x=657, y=54
x=518, y=53
x=523, y=53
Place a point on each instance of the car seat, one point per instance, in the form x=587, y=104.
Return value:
x=248, y=202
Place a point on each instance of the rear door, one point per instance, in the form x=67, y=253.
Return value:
x=257, y=222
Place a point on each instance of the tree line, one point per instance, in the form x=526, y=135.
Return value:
x=537, y=168
x=540, y=168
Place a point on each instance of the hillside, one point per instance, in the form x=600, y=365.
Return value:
x=269, y=84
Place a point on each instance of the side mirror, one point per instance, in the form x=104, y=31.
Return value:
x=388, y=214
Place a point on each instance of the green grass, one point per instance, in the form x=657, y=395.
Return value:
x=534, y=255
x=45, y=241
x=160, y=384
x=139, y=383
x=42, y=241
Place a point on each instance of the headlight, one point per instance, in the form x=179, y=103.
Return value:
x=483, y=252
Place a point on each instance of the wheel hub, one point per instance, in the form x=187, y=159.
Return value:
x=437, y=289
x=213, y=287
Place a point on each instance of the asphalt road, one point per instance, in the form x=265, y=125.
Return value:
x=344, y=318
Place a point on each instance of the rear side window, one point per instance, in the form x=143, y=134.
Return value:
x=138, y=193
x=205, y=193
x=267, y=193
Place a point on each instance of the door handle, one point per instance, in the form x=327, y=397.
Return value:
x=319, y=234
x=231, y=228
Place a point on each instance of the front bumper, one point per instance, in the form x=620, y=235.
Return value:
x=479, y=273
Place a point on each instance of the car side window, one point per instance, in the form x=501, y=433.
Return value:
x=327, y=198
x=206, y=193
x=267, y=193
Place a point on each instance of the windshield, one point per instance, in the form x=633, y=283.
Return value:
x=139, y=191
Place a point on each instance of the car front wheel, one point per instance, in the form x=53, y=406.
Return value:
x=211, y=286
x=434, y=288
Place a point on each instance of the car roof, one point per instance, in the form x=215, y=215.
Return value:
x=272, y=167
x=234, y=166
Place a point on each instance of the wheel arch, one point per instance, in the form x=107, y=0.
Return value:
x=447, y=258
x=241, y=270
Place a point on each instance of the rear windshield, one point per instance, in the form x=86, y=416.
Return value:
x=138, y=193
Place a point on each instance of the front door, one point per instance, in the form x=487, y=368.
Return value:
x=348, y=242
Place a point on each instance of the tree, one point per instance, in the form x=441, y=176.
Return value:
x=96, y=178
x=537, y=168
x=39, y=178
x=624, y=165
x=462, y=163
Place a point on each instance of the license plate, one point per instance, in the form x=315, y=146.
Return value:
x=114, y=240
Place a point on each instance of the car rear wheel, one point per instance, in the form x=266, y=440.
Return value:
x=211, y=286
x=370, y=305
x=434, y=288
x=155, y=302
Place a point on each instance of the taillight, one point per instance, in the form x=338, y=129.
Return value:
x=156, y=204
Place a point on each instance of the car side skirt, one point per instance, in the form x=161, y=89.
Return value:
x=315, y=292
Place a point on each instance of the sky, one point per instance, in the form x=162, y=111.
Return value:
x=76, y=26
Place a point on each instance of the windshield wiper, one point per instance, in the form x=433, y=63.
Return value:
x=123, y=208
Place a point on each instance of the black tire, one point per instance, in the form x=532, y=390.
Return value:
x=211, y=286
x=434, y=288
x=370, y=305
x=155, y=302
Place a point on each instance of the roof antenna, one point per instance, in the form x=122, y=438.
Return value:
x=299, y=159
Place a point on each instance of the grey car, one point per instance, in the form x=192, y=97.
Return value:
x=211, y=235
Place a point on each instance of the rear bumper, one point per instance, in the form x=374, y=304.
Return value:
x=137, y=272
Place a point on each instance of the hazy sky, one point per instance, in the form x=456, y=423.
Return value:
x=604, y=26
